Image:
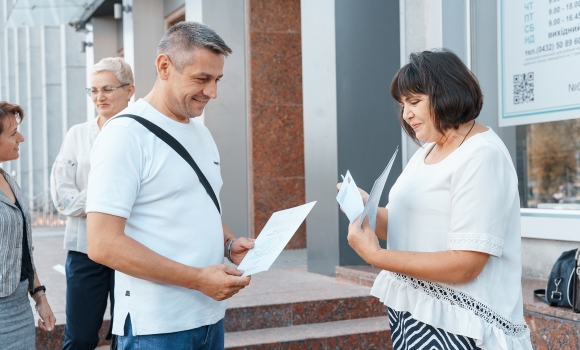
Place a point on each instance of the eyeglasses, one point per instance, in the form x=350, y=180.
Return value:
x=106, y=90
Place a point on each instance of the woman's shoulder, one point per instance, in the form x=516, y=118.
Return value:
x=487, y=146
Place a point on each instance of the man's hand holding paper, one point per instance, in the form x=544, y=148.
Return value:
x=274, y=236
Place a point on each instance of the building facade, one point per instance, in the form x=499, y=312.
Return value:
x=305, y=97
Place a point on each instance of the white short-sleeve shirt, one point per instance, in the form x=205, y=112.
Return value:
x=468, y=201
x=135, y=175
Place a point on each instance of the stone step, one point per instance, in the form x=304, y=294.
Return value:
x=363, y=275
x=364, y=333
x=301, y=313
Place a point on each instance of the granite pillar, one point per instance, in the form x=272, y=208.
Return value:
x=275, y=111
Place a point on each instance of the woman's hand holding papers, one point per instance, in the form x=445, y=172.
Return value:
x=363, y=194
x=382, y=214
x=364, y=241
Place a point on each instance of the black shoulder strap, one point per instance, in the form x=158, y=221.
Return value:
x=541, y=294
x=177, y=147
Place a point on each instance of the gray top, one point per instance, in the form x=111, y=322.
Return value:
x=11, y=230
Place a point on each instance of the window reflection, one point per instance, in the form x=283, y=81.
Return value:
x=548, y=164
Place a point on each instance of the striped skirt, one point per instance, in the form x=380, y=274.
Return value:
x=410, y=334
x=16, y=320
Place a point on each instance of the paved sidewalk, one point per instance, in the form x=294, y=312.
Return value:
x=287, y=284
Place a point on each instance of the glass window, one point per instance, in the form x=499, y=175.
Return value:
x=548, y=165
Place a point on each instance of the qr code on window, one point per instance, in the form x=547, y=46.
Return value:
x=523, y=88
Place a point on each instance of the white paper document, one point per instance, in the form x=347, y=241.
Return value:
x=352, y=204
x=273, y=238
x=349, y=198
x=373, y=202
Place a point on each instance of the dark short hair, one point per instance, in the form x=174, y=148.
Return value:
x=7, y=109
x=454, y=94
x=182, y=38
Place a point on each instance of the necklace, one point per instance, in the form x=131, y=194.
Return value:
x=472, y=125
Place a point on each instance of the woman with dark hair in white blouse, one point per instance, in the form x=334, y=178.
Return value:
x=452, y=267
x=18, y=276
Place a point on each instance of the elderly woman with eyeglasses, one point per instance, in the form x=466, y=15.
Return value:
x=89, y=284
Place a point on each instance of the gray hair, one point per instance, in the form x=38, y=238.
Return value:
x=182, y=38
x=117, y=66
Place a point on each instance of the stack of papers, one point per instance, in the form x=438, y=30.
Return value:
x=351, y=201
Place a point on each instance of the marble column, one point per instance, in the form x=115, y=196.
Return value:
x=275, y=111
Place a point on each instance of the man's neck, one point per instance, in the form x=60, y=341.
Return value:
x=155, y=99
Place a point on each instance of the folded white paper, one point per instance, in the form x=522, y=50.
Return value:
x=349, y=198
x=273, y=238
x=372, y=205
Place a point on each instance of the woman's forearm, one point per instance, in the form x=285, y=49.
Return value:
x=382, y=223
x=451, y=266
x=38, y=296
x=36, y=280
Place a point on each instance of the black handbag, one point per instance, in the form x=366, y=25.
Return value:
x=562, y=288
x=177, y=147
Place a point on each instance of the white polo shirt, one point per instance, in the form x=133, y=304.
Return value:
x=137, y=176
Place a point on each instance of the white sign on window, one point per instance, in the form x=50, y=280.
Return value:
x=539, y=61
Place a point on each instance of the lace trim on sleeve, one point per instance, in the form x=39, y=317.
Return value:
x=476, y=242
x=464, y=301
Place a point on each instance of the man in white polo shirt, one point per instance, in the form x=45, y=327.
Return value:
x=149, y=216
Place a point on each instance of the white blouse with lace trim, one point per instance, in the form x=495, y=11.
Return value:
x=468, y=201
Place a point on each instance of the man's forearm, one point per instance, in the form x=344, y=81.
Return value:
x=108, y=245
x=227, y=233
